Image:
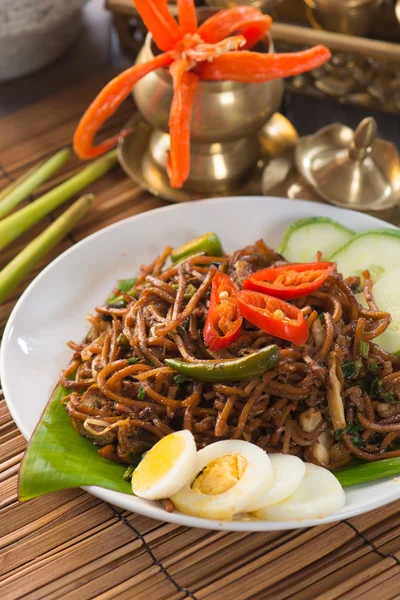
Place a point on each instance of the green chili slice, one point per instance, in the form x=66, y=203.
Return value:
x=209, y=243
x=251, y=365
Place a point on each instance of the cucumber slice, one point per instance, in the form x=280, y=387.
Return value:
x=361, y=300
x=376, y=251
x=304, y=238
x=387, y=297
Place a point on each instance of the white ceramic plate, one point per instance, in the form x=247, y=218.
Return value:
x=53, y=308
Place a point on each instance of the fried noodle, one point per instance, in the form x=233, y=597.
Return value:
x=124, y=398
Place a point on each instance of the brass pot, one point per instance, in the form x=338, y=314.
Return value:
x=352, y=17
x=265, y=6
x=226, y=119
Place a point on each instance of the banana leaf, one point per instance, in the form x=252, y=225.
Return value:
x=58, y=458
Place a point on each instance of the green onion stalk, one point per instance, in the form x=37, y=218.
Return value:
x=16, y=224
x=368, y=471
x=22, y=264
x=20, y=189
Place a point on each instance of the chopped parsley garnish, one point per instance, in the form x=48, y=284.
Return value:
x=373, y=366
x=122, y=340
x=374, y=388
x=190, y=291
x=351, y=369
x=126, y=284
x=128, y=473
x=376, y=391
x=353, y=430
x=116, y=302
x=133, y=360
x=181, y=379
x=181, y=329
x=350, y=429
x=357, y=441
x=348, y=369
x=135, y=459
x=364, y=349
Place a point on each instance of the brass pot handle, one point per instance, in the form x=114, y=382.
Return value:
x=364, y=137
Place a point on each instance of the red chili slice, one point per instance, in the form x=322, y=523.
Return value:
x=274, y=316
x=224, y=322
x=290, y=281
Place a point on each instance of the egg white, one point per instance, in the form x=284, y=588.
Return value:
x=288, y=473
x=318, y=495
x=182, y=468
x=255, y=481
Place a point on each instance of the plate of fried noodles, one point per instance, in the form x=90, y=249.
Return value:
x=218, y=341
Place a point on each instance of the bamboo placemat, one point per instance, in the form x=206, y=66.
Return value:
x=72, y=546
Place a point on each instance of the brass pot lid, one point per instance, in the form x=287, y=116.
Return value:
x=351, y=169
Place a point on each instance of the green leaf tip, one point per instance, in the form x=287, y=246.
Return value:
x=59, y=458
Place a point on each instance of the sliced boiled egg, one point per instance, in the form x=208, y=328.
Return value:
x=231, y=476
x=288, y=473
x=166, y=467
x=318, y=495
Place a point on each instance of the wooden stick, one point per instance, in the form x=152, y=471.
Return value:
x=336, y=41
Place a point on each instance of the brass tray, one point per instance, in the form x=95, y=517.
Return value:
x=136, y=160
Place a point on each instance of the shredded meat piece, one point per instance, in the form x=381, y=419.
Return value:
x=247, y=261
x=354, y=397
x=98, y=440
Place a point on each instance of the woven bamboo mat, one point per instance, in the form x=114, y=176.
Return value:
x=72, y=546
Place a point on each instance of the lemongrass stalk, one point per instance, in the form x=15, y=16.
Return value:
x=20, y=189
x=11, y=186
x=23, y=263
x=16, y=224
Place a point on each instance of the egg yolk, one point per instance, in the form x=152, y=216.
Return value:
x=158, y=461
x=221, y=474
